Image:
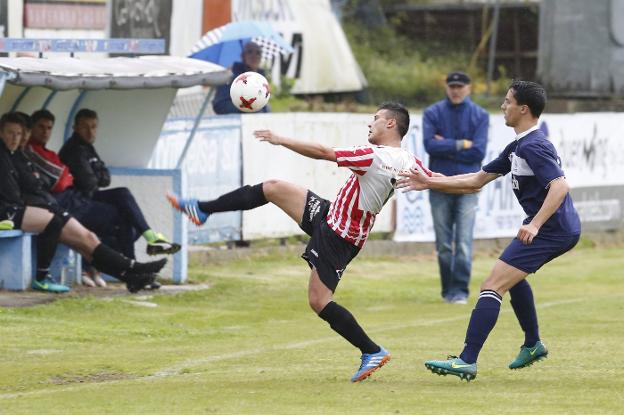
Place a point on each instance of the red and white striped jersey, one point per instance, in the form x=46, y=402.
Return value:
x=375, y=170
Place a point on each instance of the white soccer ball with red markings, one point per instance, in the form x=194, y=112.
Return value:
x=250, y=92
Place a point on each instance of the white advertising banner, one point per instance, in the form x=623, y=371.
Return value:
x=322, y=61
x=590, y=150
x=263, y=161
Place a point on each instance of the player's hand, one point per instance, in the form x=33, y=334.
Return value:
x=438, y=137
x=526, y=233
x=268, y=136
x=412, y=180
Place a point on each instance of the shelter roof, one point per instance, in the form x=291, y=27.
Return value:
x=62, y=73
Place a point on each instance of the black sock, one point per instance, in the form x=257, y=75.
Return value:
x=42, y=273
x=109, y=261
x=243, y=198
x=343, y=323
x=482, y=322
x=47, y=241
x=524, y=306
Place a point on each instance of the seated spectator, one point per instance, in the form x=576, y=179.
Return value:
x=54, y=225
x=35, y=185
x=251, y=56
x=79, y=169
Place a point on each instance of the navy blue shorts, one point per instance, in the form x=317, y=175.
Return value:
x=327, y=252
x=543, y=249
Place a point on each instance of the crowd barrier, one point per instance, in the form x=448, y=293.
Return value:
x=225, y=155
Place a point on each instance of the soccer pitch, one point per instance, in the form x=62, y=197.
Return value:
x=251, y=345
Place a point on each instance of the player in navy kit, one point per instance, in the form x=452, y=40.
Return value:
x=552, y=227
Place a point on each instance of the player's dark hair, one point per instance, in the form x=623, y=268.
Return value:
x=42, y=115
x=26, y=118
x=399, y=113
x=85, y=114
x=531, y=94
x=11, y=118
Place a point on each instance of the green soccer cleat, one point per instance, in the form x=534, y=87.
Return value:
x=49, y=285
x=162, y=245
x=453, y=366
x=529, y=355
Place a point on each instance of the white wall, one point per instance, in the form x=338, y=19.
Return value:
x=186, y=26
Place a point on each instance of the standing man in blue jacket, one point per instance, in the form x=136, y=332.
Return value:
x=455, y=136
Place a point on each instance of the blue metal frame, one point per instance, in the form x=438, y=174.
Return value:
x=20, y=98
x=5, y=76
x=180, y=259
x=72, y=114
x=49, y=99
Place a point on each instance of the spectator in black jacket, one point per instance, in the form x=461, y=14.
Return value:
x=91, y=174
x=54, y=226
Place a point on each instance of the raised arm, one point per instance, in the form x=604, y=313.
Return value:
x=464, y=183
x=305, y=148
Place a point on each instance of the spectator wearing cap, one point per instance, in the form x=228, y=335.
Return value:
x=251, y=57
x=455, y=132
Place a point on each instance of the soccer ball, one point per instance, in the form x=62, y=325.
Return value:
x=250, y=92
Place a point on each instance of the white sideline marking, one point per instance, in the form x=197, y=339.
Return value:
x=175, y=370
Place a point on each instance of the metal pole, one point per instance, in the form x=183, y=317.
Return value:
x=492, y=51
x=195, y=126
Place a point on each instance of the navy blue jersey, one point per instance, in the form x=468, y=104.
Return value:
x=534, y=163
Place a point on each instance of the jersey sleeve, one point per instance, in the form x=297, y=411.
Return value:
x=543, y=160
x=501, y=164
x=420, y=166
x=358, y=159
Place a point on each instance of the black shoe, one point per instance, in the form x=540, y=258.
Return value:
x=154, y=286
x=137, y=282
x=151, y=267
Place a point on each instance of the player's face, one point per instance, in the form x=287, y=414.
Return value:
x=378, y=127
x=42, y=131
x=86, y=128
x=457, y=93
x=12, y=135
x=511, y=110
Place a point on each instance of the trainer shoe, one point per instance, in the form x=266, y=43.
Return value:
x=370, y=363
x=190, y=207
x=137, y=282
x=48, y=285
x=87, y=280
x=162, y=246
x=453, y=366
x=529, y=355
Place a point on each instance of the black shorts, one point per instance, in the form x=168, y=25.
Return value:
x=326, y=252
x=14, y=214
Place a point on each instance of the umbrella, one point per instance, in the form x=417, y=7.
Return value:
x=224, y=44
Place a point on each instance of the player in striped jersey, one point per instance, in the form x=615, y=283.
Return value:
x=338, y=229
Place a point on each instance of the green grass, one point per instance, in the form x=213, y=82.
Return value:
x=250, y=345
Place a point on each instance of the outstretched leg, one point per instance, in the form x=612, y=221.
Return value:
x=482, y=321
x=287, y=196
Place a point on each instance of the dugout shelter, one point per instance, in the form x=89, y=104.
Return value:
x=132, y=96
